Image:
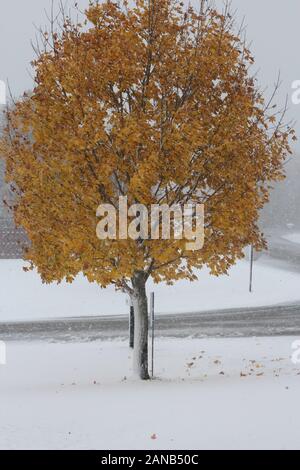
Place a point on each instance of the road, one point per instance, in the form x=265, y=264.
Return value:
x=267, y=321
x=282, y=251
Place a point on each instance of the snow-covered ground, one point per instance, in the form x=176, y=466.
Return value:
x=24, y=297
x=212, y=393
x=292, y=237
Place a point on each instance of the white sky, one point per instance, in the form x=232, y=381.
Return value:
x=272, y=26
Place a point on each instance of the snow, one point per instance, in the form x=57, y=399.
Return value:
x=292, y=237
x=208, y=394
x=18, y=289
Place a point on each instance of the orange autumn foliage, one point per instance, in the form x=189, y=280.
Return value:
x=154, y=102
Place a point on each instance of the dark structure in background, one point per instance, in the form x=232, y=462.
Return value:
x=12, y=239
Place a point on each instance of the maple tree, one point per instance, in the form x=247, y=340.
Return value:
x=154, y=102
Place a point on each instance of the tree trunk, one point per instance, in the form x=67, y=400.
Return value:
x=140, y=351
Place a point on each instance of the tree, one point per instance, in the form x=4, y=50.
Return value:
x=154, y=103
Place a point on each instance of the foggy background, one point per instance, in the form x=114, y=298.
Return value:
x=272, y=28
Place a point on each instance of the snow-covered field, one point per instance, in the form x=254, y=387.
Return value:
x=292, y=237
x=212, y=393
x=24, y=297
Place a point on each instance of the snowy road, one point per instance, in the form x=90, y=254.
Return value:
x=245, y=322
x=281, y=248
